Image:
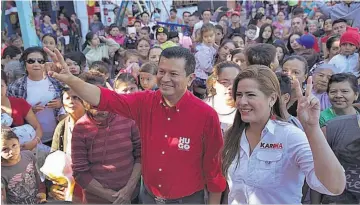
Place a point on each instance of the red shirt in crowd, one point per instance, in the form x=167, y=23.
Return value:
x=180, y=145
x=19, y=109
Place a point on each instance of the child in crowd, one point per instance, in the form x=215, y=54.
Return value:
x=347, y=60
x=147, y=76
x=251, y=34
x=162, y=37
x=154, y=54
x=116, y=35
x=285, y=88
x=204, y=57
x=238, y=57
x=20, y=181
x=174, y=37
x=130, y=42
x=219, y=34
x=144, y=33
x=307, y=42
x=103, y=68
x=125, y=83
x=239, y=39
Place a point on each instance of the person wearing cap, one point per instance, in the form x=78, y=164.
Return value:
x=307, y=42
x=162, y=36
x=347, y=60
x=235, y=23
x=298, y=26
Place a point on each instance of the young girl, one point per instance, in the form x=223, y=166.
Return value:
x=20, y=181
x=147, y=76
x=154, y=54
x=49, y=41
x=204, y=57
x=125, y=83
x=266, y=34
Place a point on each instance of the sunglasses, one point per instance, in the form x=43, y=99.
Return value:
x=32, y=61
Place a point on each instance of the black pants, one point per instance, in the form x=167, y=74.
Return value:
x=149, y=198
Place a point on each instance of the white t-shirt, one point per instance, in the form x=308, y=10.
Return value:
x=43, y=91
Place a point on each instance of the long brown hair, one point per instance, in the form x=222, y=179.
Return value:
x=268, y=84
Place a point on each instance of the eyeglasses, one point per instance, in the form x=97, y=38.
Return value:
x=32, y=61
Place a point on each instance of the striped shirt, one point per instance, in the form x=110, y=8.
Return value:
x=105, y=152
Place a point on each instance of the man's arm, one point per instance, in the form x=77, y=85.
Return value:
x=213, y=142
x=326, y=10
x=88, y=92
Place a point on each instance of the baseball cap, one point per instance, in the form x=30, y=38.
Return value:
x=235, y=13
x=306, y=40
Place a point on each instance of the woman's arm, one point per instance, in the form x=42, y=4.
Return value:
x=32, y=120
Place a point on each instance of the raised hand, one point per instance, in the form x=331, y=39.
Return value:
x=308, y=108
x=57, y=69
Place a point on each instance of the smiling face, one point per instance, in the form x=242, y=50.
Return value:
x=341, y=95
x=161, y=37
x=313, y=28
x=49, y=42
x=339, y=28
x=321, y=80
x=35, y=64
x=171, y=77
x=251, y=102
x=143, y=48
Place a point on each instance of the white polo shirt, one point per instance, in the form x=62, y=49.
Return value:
x=274, y=173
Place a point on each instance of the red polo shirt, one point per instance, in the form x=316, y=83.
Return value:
x=180, y=145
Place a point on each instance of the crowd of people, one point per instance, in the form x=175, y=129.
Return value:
x=205, y=109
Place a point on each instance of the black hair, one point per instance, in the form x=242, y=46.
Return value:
x=343, y=77
x=173, y=34
x=260, y=54
x=11, y=51
x=137, y=21
x=285, y=83
x=218, y=27
x=8, y=134
x=205, y=10
x=186, y=12
x=146, y=28
x=238, y=35
x=260, y=39
x=339, y=21
x=50, y=35
x=100, y=66
x=145, y=12
x=196, y=13
x=35, y=49
x=269, y=17
x=297, y=10
x=149, y=67
x=181, y=53
x=89, y=36
x=288, y=45
x=173, y=10
x=78, y=57
x=280, y=11
x=256, y=19
x=122, y=29
x=93, y=77
x=331, y=40
x=251, y=27
x=124, y=78
x=4, y=77
x=234, y=52
x=283, y=47
x=299, y=58
x=113, y=26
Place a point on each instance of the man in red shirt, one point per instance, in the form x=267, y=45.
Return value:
x=181, y=135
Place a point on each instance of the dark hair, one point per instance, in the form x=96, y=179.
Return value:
x=196, y=13
x=238, y=35
x=4, y=77
x=93, y=77
x=186, y=12
x=256, y=19
x=285, y=83
x=299, y=58
x=149, y=67
x=146, y=28
x=173, y=10
x=129, y=53
x=11, y=51
x=145, y=12
x=142, y=39
x=339, y=21
x=218, y=27
x=124, y=78
x=344, y=77
x=49, y=35
x=269, y=85
x=173, y=34
x=8, y=134
x=251, y=27
x=260, y=39
x=137, y=21
x=89, y=36
x=331, y=41
x=261, y=54
x=205, y=10
x=100, y=66
x=181, y=53
x=288, y=45
x=78, y=57
x=283, y=47
x=234, y=52
x=269, y=18
x=280, y=11
x=112, y=26
x=297, y=10
x=35, y=49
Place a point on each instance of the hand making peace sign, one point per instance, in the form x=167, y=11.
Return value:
x=308, y=107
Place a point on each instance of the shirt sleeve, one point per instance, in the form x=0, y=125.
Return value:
x=300, y=153
x=80, y=164
x=213, y=143
x=127, y=105
x=326, y=10
x=135, y=138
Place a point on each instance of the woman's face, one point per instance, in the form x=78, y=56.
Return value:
x=313, y=28
x=267, y=33
x=239, y=59
x=143, y=48
x=49, y=42
x=280, y=16
x=251, y=102
x=35, y=64
x=321, y=80
x=114, y=31
x=18, y=43
x=3, y=88
x=341, y=95
x=126, y=88
x=279, y=53
x=95, y=41
x=132, y=60
x=335, y=49
x=154, y=55
x=72, y=103
x=295, y=70
x=294, y=44
x=328, y=25
x=225, y=81
x=277, y=33
x=218, y=35
x=73, y=66
x=239, y=41
x=147, y=81
x=225, y=50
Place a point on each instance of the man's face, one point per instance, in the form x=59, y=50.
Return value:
x=145, y=18
x=114, y=32
x=186, y=18
x=339, y=28
x=206, y=16
x=235, y=19
x=251, y=34
x=171, y=77
x=192, y=21
x=297, y=25
x=173, y=14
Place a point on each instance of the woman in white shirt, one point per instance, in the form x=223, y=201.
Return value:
x=265, y=160
x=220, y=96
